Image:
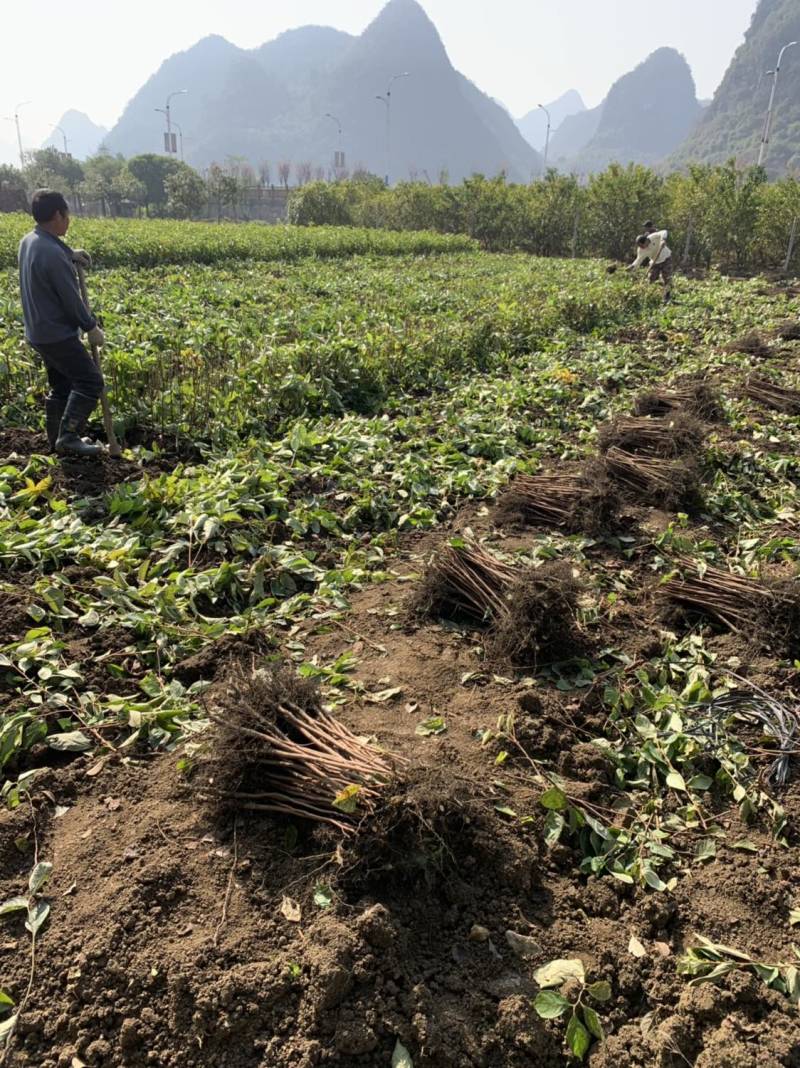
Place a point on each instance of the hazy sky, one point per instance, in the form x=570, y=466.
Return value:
x=523, y=52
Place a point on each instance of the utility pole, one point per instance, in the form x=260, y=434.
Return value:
x=547, y=139
x=55, y=126
x=770, y=110
x=166, y=111
x=387, y=100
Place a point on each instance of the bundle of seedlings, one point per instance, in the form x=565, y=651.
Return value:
x=654, y=480
x=752, y=344
x=284, y=755
x=768, y=613
x=788, y=330
x=529, y=613
x=695, y=396
x=674, y=435
x=772, y=396
x=583, y=501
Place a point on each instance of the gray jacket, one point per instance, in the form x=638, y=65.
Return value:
x=51, y=299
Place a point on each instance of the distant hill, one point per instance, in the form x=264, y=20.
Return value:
x=533, y=126
x=574, y=133
x=645, y=116
x=271, y=103
x=84, y=137
x=732, y=125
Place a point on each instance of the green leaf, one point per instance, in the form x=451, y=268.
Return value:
x=652, y=879
x=706, y=849
x=549, y=1004
x=323, y=898
x=557, y=972
x=745, y=845
x=6, y=1001
x=70, y=742
x=13, y=904
x=700, y=782
x=600, y=991
x=401, y=1058
x=37, y=914
x=676, y=781
x=554, y=799
x=578, y=1038
x=553, y=828
x=39, y=876
x=434, y=725
x=592, y=1021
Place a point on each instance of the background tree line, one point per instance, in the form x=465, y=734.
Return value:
x=722, y=215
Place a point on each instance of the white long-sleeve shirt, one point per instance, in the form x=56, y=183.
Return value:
x=650, y=250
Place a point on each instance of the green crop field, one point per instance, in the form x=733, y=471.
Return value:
x=585, y=686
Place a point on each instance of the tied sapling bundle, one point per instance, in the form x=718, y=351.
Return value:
x=772, y=396
x=675, y=435
x=788, y=330
x=769, y=612
x=285, y=755
x=696, y=397
x=653, y=480
x=529, y=613
x=585, y=501
x=752, y=344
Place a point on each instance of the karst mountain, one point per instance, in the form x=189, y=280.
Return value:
x=272, y=103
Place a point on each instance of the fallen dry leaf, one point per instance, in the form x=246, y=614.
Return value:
x=291, y=910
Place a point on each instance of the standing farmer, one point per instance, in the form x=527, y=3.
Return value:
x=54, y=316
x=653, y=246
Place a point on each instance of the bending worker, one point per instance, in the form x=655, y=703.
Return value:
x=653, y=246
x=55, y=315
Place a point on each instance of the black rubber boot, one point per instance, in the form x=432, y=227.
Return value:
x=53, y=413
x=78, y=409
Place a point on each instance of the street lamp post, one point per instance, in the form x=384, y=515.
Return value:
x=166, y=111
x=387, y=100
x=55, y=126
x=180, y=137
x=339, y=161
x=547, y=138
x=19, y=134
x=770, y=110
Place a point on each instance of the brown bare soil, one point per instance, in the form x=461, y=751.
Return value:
x=182, y=934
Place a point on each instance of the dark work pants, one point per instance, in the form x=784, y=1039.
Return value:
x=70, y=367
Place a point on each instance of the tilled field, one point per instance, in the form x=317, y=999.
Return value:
x=578, y=665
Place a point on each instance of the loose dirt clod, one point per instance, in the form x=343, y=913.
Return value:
x=772, y=396
x=280, y=753
x=672, y=436
x=695, y=397
x=586, y=501
x=766, y=612
x=653, y=480
x=530, y=612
